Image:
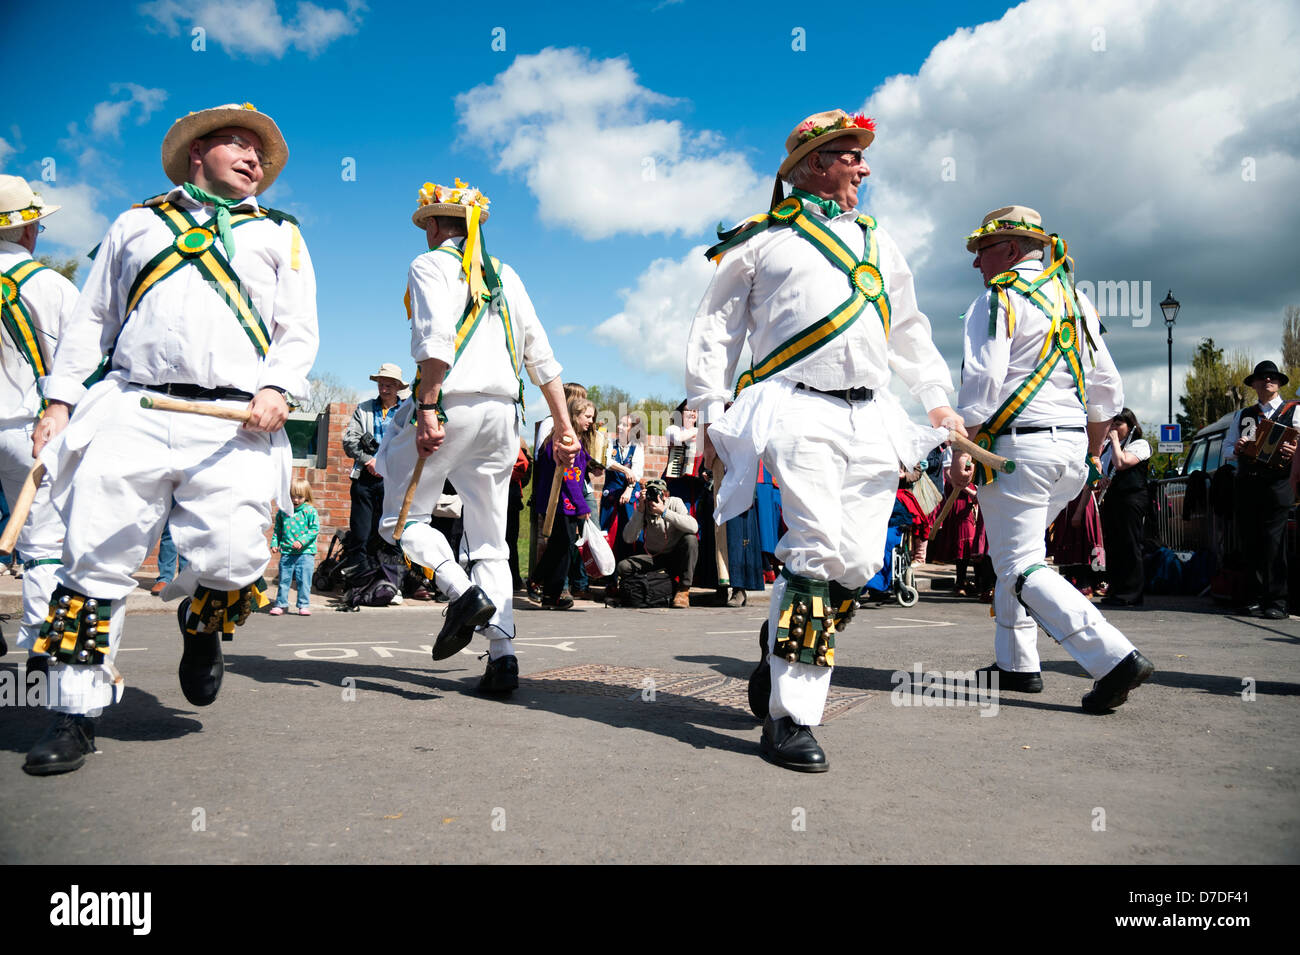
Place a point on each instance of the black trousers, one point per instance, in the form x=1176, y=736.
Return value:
x=1123, y=517
x=1261, y=508
x=677, y=562
x=552, y=569
x=367, y=495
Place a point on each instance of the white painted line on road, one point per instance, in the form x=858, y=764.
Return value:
x=595, y=636
x=714, y=633
x=913, y=620
x=337, y=643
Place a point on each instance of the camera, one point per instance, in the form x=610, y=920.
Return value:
x=368, y=443
x=653, y=495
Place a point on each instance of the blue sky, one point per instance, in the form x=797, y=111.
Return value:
x=1160, y=139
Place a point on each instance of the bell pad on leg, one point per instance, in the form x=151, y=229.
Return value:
x=76, y=629
x=844, y=603
x=223, y=610
x=805, y=630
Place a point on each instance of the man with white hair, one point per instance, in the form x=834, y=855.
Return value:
x=825, y=300
x=37, y=303
x=205, y=295
x=1039, y=386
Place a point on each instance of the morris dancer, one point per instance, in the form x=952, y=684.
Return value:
x=37, y=302
x=203, y=294
x=825, y=299
x=1041, y=388
x=473, y=332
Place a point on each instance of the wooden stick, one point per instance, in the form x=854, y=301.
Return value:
x=995, y=461
x=406, y=501
x=22, y=507
x=943, y=513
x=161, y=403
x=720, y=530
x=557, y=482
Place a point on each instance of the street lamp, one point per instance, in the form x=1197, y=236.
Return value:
x=1170, y=308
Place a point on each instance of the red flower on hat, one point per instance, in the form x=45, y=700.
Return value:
x=864, y=122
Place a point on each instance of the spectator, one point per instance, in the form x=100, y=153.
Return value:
x=1124, y=508
x=360, y=442
x=622, y=482
x=553, y=567
x=295, y=538
x=519, y=478
x=170, y=563
x=668, y=533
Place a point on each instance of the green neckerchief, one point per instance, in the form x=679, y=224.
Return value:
x=828, y=206
x=222, y=207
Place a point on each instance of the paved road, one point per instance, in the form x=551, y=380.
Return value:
x=336, y=739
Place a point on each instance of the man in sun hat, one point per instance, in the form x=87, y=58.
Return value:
x=473, y=332
x=200, y=294
x=37, y=302
x=365, y=431
x=1039, y=387
x=1262, y=491
x=825, y=300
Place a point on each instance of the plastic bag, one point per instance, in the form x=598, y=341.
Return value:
x=597, y=556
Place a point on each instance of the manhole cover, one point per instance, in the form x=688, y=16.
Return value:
x=689, y=690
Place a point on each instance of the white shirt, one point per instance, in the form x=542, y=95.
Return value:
x=50, y=299
x=995, y=367
x=183, y=331
x=438, y=294
x=1234, y=429
x=777, y=284
x=1138, y=447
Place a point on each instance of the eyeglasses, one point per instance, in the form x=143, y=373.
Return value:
x=855, y=155
x=992, y=245
x=243, y=145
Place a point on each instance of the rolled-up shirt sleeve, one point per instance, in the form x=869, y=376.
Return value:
x=434, y=311
x=985, y=359
x=717, y=335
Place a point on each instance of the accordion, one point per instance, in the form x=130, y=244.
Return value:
x=1264, y=441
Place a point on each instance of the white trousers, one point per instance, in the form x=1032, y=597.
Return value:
x=477, y=456
x=1018, y=508
x=41, y=539
x=838, y=474
x=117, y=488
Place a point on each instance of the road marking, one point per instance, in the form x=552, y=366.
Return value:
x=913, y=620
x=714, y=633
x=337, y=643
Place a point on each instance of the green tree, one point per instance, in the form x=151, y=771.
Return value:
x=612, y=401
x=1291, y=349
x=65, y=267
x=1213, y=387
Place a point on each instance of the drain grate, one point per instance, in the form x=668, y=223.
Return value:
x=687, y=690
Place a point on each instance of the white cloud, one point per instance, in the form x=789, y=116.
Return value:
x=255, y=27
x=1158, y=138
x=78, y=226
x=6, y=150
x=577, y=130
x=651, y=330
x=106, y=117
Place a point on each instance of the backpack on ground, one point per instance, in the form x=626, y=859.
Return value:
x=653, y=589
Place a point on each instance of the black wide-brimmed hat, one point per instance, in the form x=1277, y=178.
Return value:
x=1266, y=368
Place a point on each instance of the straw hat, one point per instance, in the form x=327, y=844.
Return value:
x=19, y=205
x=389, y=370
x=1009, y=221
x=821, y=128
x=176, y=144
x=457, y=200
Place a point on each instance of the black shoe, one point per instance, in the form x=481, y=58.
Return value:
x=1013, y=681
x=738, y=598
x=1112, y=690
x=1248, y=610
x=63, y=748
x=788, y=744
x=466, y=613
x=501, y=676
x=1274, y=613
x=760, y=681
x=201, y=666
x=562, y=602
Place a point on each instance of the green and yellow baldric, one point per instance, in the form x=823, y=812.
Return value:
x=479, y=303
x=195, y=245
x=17, y=320
x=1061, y=343
x=866, y=284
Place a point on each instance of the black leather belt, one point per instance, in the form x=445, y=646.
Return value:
x=845, y=394
x=195, y=393
x=1037, y=428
